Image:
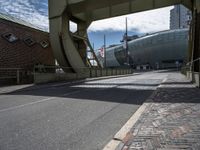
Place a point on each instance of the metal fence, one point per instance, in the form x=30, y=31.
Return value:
x=44, y=74
x=15, y=75
x=57, y=73
x=190, y=68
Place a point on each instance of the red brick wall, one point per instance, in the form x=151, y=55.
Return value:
x=20, y=55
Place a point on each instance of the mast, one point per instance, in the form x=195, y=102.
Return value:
x=126, y=40
x=104, y=39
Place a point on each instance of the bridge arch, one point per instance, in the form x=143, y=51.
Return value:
x=70, y=49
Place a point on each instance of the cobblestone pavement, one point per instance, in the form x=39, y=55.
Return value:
x=171, y=120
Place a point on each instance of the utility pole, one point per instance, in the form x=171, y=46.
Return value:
x=126, y=40
x=105, y=51
x=179, y=15
x=93, y=53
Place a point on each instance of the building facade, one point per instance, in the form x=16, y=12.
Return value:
x=22, y=46
x=180, y=17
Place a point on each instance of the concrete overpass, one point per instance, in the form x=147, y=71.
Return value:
x=70, y=48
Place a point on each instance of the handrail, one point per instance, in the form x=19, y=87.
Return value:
x=191, y=62
x=190, y=67
x=62, y=67
x=12, y=69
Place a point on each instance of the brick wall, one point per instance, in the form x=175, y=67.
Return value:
x=19, y=54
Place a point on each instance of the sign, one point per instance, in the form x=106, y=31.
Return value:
x=102, y=51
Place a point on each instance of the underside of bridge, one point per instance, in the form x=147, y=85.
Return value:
x=70, y=48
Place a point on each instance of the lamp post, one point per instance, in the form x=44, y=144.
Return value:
x=126, y=43
x=93, y=53
x=105, y=51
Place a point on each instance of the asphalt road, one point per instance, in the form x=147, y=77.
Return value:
x=82, y=116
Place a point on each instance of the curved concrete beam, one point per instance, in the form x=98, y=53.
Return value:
x=56, y=41
x=71, y=52
x=64, y=48
x=66, y=51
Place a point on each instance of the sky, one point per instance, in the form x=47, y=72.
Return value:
x=36, y=12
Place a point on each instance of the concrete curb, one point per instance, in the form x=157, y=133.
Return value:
x=124, y=131
x=114, y=145
x=123, y=134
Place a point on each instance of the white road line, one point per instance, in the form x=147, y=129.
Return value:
x=40, y=101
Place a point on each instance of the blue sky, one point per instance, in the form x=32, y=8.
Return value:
x=36, y=12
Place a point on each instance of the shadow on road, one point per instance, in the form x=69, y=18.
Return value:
x=110, y=92
x=131, y=93
x=176, y=95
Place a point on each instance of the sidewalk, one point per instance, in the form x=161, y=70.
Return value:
x=169, y=120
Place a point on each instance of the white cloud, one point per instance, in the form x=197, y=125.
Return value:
x=149, y=21
x=32, y=11
x=36, y=13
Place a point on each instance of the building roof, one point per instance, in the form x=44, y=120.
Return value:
x=19, y=21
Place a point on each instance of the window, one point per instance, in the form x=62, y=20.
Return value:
x=44, y=44
x=29, y=41
x=10, y=37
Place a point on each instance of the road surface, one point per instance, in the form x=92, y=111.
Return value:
x=82, y=116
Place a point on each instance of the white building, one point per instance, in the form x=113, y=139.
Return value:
x=180, y=17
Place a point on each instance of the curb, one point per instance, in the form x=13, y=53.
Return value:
x=123, y=134
x=114, y=145
x=124, y=131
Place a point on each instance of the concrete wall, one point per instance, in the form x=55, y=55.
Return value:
x=92, y=73
x=194, y=77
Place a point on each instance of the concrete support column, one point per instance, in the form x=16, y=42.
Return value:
x=65, y=49
x=196, y=39
x=68, y=51
x=82, y=47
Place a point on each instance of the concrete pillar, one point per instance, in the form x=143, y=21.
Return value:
x=67, y=51
x=81, y=44
x=196, y=39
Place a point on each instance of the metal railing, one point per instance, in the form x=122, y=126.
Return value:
x=16, y=74
x=59, y=73
x=190, y=66
x=44, y=73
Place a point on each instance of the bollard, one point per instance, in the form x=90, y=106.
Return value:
x=18, y=77
x=199, y=73
x=192, y=72
x=76, y=76
x=90, y=72
x=34, y=75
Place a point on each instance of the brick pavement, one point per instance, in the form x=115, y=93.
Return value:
x=171, y=120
